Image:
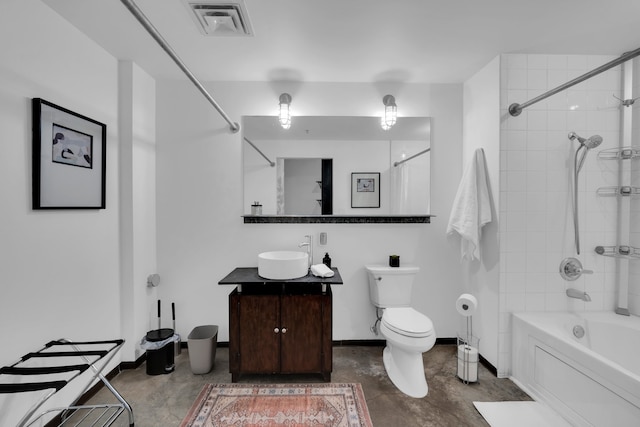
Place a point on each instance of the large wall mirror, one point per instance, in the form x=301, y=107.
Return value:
x=336, y=166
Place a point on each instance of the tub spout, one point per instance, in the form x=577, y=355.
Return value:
x=574, y=293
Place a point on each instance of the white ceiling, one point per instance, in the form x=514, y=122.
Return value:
x=407, y=41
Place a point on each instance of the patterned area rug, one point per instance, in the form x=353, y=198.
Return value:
x=273, y=405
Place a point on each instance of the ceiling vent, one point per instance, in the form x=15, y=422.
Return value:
x=220, y=18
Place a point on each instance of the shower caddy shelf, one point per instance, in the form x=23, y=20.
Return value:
x=620, y=251
x=63, y=362
x=624, y=191
x=623, y=153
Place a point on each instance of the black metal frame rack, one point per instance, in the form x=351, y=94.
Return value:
x=54, y=366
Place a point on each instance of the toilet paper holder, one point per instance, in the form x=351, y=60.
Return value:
x=468, y=345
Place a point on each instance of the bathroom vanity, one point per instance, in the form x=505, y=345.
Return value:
x=280, y=326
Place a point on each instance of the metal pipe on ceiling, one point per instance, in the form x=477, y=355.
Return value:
x=135, y=10
x=515, y=109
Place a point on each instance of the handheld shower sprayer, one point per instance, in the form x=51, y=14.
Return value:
x=586, y=144
x=591, y=142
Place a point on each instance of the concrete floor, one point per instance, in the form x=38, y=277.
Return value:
x=164, y=400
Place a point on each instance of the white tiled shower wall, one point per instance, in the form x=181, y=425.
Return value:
x=536, y=164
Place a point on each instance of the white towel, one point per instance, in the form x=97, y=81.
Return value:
x=321, y=270
x=471, y=207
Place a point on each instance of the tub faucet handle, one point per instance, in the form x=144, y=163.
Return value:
x=571, y=269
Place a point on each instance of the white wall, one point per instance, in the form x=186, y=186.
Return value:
x=59, y=269
x=138, y=206
x=301, y=189
x=536, y=164
x=482, y=131
x=201, y=235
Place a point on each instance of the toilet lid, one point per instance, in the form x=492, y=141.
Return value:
x=407, y=321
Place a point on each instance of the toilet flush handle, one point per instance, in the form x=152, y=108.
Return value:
x=378, y=278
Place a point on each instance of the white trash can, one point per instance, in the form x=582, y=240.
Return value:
x=202, y=342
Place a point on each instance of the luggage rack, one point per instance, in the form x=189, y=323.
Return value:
x=64, y=361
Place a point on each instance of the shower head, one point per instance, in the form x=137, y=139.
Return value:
x=589, y=143
x=592, y=142
x=586, y=144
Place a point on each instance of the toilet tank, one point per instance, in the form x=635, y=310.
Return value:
x=390, y=286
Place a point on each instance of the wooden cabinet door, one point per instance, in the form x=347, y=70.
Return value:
x=259, y=333
x=301, y=333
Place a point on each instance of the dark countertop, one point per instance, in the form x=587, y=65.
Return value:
x=249, y=275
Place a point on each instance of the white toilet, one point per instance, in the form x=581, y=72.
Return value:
x=408, y=332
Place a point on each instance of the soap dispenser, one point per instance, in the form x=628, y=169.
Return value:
x=327, y=260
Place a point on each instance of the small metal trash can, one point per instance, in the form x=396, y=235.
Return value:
x=202, y=343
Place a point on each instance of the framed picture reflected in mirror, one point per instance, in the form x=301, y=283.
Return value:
x=365, y=189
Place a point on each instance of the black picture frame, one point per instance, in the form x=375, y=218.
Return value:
x=69, y=159
x=365, y=189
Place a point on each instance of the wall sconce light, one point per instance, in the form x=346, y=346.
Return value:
x=285, y=112
x=390, y=112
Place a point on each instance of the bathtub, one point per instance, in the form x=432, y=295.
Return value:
x=586, y=366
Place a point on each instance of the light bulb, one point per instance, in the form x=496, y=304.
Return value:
x=284, y=116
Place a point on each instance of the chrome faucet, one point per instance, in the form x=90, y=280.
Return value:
x=571, y=269
x=574, y=293
x=309, y=245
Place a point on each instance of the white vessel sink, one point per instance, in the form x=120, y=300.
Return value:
x=283, y=265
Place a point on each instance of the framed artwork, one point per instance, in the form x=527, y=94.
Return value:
x=69, y=159
x=365, y=189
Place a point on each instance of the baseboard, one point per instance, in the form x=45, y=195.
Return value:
x=484, y=362
x=222, y=344
x=381, y=343
x=439, y=341
x=446, y=341
x=135, y=364
x=363, y=343
x=336, y=343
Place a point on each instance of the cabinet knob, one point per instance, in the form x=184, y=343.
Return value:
x=276, y=330
x=284, y=330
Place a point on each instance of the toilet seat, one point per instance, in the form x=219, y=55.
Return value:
x=408, y=322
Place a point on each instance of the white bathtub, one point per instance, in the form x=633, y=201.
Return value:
x=590, y=381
